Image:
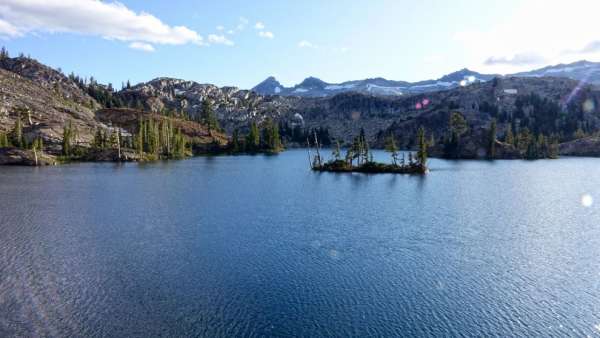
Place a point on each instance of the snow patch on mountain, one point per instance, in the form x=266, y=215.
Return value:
x=340, y=87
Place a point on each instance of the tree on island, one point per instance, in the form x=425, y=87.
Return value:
x=336, y=152
x=422, y=151
x=392, y=148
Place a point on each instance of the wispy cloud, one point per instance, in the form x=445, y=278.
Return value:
x=145, y=47
x=266, y=34
x=242, y=23
x=590, y=47
x=220, y=28
x=8, y=30
x=558, y=33
x=110, y=20
x=306, y=44
x=519, y=59
x=259, y=25
x=220, y=40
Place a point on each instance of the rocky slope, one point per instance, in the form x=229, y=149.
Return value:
x=45, y=99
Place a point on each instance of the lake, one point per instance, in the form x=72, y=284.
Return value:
x=261, y=246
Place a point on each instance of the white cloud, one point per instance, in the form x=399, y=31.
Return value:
x=306, y=44
x=145, y=47
x=110, y=20
x=266, y=34
x=220, y=28
x=242, y=23
x=536, y=33
x=259, y=25
x=219, y=39
x=231, y=32
x=8, y=30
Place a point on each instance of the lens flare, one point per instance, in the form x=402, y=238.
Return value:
x=588, y=106
x=587, y=200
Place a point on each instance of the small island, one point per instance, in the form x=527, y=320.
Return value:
x=358, y=152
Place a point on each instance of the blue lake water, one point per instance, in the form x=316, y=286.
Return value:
x=261, y=246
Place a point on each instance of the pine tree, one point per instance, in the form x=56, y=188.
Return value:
x=336, y=152
x=4, y=140
x=422, y=151
x=509, y=137
x=349, y=156
x=67, y=139
x=234, y=145
x=253, y=138
x=139, y=138
x=391, y=147
x=97, y=142
x=492, y=140
x=3, y=53
x=17, y=133
x=208, y=116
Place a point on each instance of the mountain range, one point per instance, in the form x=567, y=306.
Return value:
x=46, y=100
x=314, y=87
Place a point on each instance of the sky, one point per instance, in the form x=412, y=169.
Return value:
x=240, y=43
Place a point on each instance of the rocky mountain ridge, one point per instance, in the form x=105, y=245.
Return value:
x=585, y=71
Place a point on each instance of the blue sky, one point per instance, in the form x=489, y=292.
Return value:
x=240, y=43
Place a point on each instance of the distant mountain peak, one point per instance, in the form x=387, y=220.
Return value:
x=269, y=86
x=312, y=82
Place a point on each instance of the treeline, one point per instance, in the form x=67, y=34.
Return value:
x=543, y=116
x=297, y=134
x=259, y=139
x=524, y=143
x=159, y=140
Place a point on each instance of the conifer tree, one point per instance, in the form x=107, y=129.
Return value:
x=336, y=152
x=492, y=140
x=253, y=138
x=4, y=140
x=67, y=141
x=17, y=133
x=422, y=151
x=509, y=137
x=208, y=116
x=234, y=144
x=390, y=147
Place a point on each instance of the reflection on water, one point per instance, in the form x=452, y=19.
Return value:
x=259, y=245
